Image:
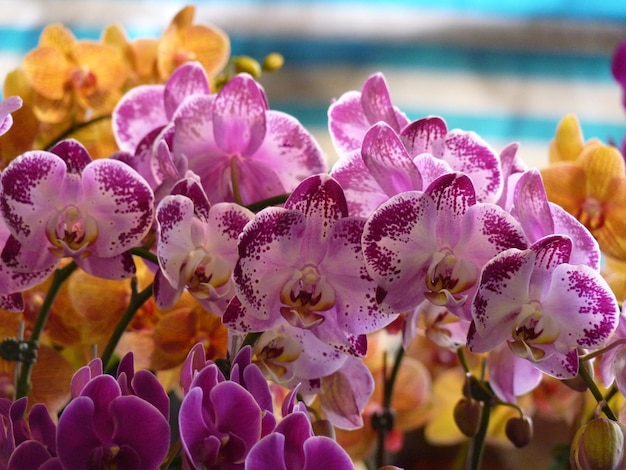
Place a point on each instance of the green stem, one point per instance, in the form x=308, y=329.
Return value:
x=272, y=201
x=73, y=129
x=478, y=442
x=137, y=299
x=23, y=386
x=593, y=388
x=145, y=254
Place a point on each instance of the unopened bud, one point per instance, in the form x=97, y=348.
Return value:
x=467, y=416
x=247, y=64
x=599, y=445
x=519, y=430
x=323, y=427
x=273, y=62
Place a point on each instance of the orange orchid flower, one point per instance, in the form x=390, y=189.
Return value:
x=73, y=77
x=184, y=41
x=591, y=186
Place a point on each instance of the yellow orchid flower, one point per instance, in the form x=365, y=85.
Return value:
x=591, y=187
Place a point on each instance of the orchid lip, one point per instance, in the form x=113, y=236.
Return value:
x=71, y=231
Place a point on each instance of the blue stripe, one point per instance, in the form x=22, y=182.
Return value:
x=316, y=52
x=579, y=10
x=492, y=126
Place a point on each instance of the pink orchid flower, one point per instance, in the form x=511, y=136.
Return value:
x=197, y=247
x=433, y=244
x=62, y=204
x=302, y=265
x=241, y=150
x=543, y=307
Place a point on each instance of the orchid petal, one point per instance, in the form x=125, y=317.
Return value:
x=323, y=452
x=74, y=154
x=347, y=122
x=377, y=105
x=7, y=106
x=531, y=206
x=140, y=111
x=77, y=421
x=239, y=116
x=122, y=203
x=268, y=454
x=194, y=138
x=189, y=79
x=388, y=161
x=422, y=135
x=397, y=245
x=511, y=376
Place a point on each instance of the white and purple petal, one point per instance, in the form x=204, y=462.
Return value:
x=188, y=79
x=7, y=106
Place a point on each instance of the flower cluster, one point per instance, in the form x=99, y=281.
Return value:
x=266, y=289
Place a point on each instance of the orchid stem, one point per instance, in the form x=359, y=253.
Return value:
x=478, y=442
x=145, y=254
x=593, y=388
x=23, y=385
x=137, y=299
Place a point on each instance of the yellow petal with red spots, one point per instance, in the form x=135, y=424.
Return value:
x=47, y=70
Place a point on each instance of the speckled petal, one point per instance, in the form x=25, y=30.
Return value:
x=190, y=78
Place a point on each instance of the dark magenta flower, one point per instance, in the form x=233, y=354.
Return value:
x=114, y=423
x=293, y=446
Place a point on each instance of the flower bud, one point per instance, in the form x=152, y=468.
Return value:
x=273, y=62
x=519, y=430
x=248, y=65
x=467, y=416
x=598, y=445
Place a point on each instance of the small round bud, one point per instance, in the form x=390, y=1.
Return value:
x=599, y=444
x=273, y=62
x=247, y=64
x=519, y=431
x=323, y=427
x=467, y=416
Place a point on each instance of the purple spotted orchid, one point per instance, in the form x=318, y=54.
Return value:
x=148, y=108
x=197, y=247
x=7, y=106
x=433, y=244
x=543, y=307
x=62, y=204
x=613, y=362
x=113, y=423
x=293, y=446
x=382, y=168
x=302, y=264
x=540, y=218
x=350, y=116
x=241, y=150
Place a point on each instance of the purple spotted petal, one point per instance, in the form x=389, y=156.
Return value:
x=356, y=306
x=7, y=106
x=319, y=197
x=188, y=79
x=453, y=194
x=274, y=233
x=115, y=267
x=239, y=116
x=585, y=248
x=430, y=168
x=347, y=122
x=12, y=302
x=398, y=244
x=122, y=203
x=74, y=154
x=194, y=137
x=468, y=153
x=362, y=191
x=504, y=287
x=140, y=111
x=175, y=215
x=423, y=135
x=33, y=187
x=140, y=426
x=531, y=206
x=377, y=105
x=582, y=302
x=388, y=161
x=290, y=150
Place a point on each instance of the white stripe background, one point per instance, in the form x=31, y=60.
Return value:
x=497, y=96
